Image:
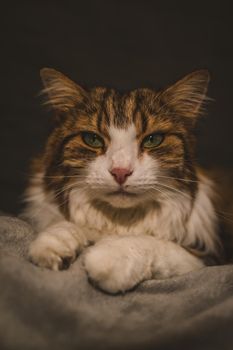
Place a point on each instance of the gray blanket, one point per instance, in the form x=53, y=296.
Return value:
x=42, y=309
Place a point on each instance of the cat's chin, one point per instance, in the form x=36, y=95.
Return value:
x=122, y=200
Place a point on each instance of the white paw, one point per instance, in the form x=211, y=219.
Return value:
x=54, y=251
x=114, y=267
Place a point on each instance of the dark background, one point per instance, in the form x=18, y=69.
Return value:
x=124, y=44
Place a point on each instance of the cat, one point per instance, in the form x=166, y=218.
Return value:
x=118, y=181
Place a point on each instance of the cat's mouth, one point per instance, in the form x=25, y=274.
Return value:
x=122, y=193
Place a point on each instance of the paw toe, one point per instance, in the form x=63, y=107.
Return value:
x=51, y=254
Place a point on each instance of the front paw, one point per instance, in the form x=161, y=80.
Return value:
x=55, y=252
x=114, y=267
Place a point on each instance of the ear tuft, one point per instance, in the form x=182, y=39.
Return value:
x=188, y=96
x=62, y=93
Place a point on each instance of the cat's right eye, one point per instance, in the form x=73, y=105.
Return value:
x=153, y=140
x=93, y=140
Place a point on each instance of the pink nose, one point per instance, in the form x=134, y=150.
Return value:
x=120, y=174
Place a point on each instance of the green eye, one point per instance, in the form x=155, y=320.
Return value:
x=92, y=139
x=153, y=140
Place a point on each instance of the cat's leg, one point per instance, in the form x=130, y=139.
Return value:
x=57, y=246
x=117, y=264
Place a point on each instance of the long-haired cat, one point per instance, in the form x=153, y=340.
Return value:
x=118, y=171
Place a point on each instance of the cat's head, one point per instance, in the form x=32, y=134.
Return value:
x=122, y=148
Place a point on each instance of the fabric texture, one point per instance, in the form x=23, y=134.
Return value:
x=42, y=309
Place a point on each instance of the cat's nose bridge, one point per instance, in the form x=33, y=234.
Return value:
x=121, y=159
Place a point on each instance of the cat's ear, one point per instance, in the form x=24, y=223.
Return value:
x=62, y=94
x=187, y=97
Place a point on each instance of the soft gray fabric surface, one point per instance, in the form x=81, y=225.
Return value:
x=42, y=309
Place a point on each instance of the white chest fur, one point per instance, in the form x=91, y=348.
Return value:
x=167, y=222
x=177, y=220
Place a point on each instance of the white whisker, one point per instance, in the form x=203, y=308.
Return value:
x=176, y=190
x=176, y=178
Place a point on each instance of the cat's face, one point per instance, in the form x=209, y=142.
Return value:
x=122, y=149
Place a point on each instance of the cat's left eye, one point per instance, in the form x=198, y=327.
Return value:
x=93, y=140
x=152, y=141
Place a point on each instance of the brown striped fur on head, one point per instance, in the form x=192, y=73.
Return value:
x=172, y=113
